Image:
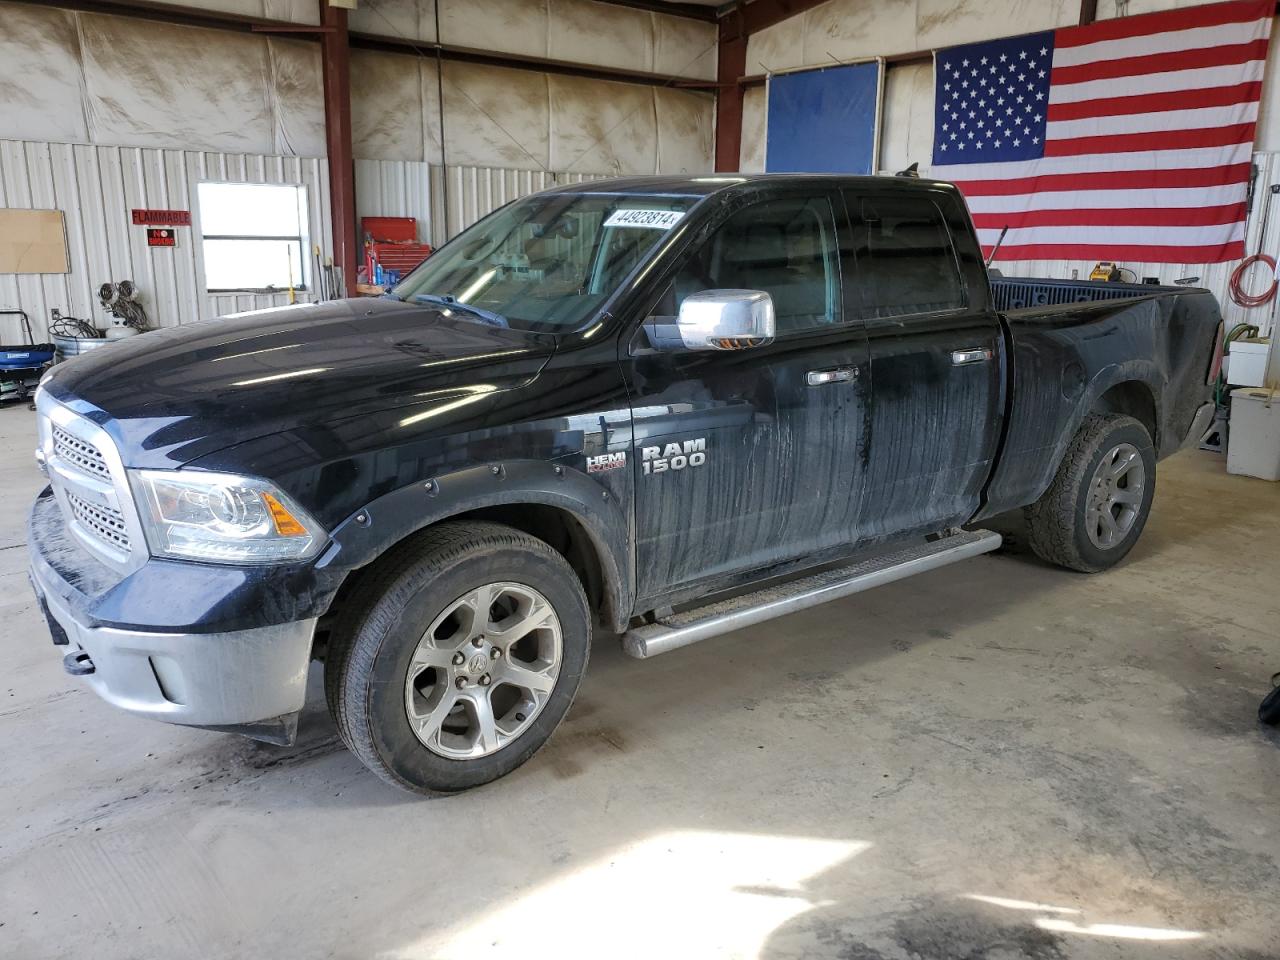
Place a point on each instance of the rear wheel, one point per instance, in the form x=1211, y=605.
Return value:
x=465, y=660
x=1095, y=509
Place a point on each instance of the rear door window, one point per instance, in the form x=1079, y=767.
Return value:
x=905, y=262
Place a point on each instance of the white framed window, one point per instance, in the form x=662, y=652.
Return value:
x=254, y=236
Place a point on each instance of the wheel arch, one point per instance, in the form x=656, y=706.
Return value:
x=1120, y=388
x=1134, y=398
x=1131, y=388
x=575, y=515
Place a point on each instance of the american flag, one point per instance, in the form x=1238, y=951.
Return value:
x=1126, y=139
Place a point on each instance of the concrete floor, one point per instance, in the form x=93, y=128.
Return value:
x=996, y=760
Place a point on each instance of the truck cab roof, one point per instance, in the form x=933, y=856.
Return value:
x=707, y=184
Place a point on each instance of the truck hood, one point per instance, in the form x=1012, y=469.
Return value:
x=177, y=394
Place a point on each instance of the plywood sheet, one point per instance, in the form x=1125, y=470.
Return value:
x=33, y=241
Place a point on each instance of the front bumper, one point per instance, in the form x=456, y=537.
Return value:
x=250, y=680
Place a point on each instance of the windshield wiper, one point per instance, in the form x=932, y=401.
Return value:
x=487, y=316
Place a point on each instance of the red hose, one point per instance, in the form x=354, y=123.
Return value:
x=1237, y=281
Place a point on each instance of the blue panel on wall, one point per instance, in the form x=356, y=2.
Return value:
x=823, y=121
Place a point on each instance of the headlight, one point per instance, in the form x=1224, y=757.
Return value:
x=222, y=518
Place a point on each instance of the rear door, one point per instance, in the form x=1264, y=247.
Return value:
x=937, y=384
x=751, y=457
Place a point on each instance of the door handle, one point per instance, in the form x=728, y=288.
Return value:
x=971, y=355
x=816, y=378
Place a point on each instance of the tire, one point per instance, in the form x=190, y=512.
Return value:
x=1060, y=522
x=1269, y=708
x=432, y=584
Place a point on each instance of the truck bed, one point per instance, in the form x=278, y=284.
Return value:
x=1077, y=346
x=1025, y=294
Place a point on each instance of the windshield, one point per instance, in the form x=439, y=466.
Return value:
x=545, y=263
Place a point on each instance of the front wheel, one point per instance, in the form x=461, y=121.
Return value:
x=1095, y=509
x=465, y=660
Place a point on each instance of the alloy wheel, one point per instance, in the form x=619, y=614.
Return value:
x=1115, y=496
x=483, y=670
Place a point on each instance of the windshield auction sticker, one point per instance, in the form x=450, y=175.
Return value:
x=649, y=219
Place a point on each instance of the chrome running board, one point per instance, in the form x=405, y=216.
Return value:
x=724, y=616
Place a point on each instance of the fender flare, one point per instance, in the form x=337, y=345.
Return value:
x=385, y=521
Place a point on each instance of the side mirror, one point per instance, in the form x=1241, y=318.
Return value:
x=726, y=320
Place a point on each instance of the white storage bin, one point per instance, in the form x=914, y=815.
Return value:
x=1253, y=449
x=1247, y=363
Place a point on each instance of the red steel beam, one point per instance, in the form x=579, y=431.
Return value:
x=765, y=13
x=335, y=59
x=731, y=64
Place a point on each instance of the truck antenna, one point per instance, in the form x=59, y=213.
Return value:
x=999, y=240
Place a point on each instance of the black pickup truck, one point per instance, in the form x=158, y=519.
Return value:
x=657, y=408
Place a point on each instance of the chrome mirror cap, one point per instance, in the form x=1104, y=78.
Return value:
x=726, y=320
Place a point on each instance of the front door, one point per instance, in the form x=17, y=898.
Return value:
x=749, y=458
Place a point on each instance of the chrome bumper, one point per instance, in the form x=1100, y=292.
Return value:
x=253, y=679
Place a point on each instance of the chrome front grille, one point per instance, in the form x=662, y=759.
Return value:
x=76, y=453
x=105, y=523
x=90, y=483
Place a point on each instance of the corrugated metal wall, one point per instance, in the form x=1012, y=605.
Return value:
x=96, y=187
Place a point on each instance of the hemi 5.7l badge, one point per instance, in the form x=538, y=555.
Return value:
x=606, y=461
